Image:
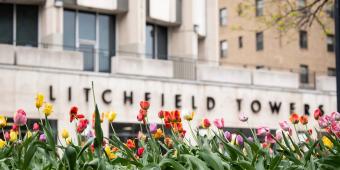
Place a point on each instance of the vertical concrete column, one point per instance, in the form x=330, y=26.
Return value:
x=208, y=46
x=131, y=30
x=183, y=39
x=51, y=25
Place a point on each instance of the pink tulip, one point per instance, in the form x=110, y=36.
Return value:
x=278, y=134
x=335, y=127
x=262, y=130
x=250, y=139
x=153, y=127
x=36, y=127
x=323, y=122
x=227, y=136
x=219, y=123
x=284, y=125
x=7, y=136
x=269, y=138
x=242, y=117
x=20, y=117
x=290, y=132
x=336, y=116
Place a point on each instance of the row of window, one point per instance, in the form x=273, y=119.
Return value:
x=259, y=37
x=91, y=33
x=304, y=73
x=259, y=7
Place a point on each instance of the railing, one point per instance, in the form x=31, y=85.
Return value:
x=186, y=67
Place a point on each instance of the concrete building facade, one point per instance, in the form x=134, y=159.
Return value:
x=165, y=52
x=252, y=40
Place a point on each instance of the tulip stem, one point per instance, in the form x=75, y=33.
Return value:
x=296, y=132
x=19, y=132
x=255, y=137
x=3, y=133
x=114, y=132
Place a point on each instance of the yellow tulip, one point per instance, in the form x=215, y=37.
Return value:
x=2, y=144
x=13, y=136
x=3, y=121
x=65, y=134
x=48, y=109
x=68, y=141
x=189, y=117
x=109, y=153
x=39, y=100
x=327, y=142
x=111, y=116
x=28, y=134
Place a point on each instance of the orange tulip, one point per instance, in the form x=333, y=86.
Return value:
x=294, y=118
x=303, y=119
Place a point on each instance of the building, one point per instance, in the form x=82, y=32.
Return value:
x=165, y=51
x=246, y=41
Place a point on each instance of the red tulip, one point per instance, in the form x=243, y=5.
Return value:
x=144, y=105
x=317, y=114
x=74, y=114
x=82, y=125
x=206, y=123
x=161, y=114
x=130, y=144
x=140, y=151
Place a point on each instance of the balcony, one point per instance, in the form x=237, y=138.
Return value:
x=110, y=6
x=164, y=12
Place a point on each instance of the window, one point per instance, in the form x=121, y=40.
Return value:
x=223, y=49
x=156, y=42
x=240, y=42
x=97, y=46
x=259, y=7
x=239, y=9
x=330, y=11
x=303, y=39
x=19, y=24
x=223, y=17
x=304, y=74
x=331, y=72
x=301, y=4
x=259, y=41
x=330, y=43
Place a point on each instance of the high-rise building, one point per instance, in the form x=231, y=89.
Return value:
x=163, y=51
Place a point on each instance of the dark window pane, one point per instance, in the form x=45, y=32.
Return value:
x=88, y=53
x=69, y=30
x=259, y=7
x=259, y=41
x=331, y=72
x=304, y=74
x=6, y=23
x=162, y=42
x=330, y=43
x=150, y=41
x=104, y=43
x=87, y=26
x=240, y=42
x=27, y=25
x=303, y=39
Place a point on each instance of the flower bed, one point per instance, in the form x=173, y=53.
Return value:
x=218, y=149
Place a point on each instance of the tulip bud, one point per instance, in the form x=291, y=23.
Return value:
x=227, y=136
x=65, y=133
x=20, y=117
x=36, y=127
x=3, y=121
x=239, y=140
x=42, y=138
x=144, y=105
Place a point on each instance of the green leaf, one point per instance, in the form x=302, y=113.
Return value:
x=29, y=155
x=71, y=156
x=195, y=162
x=275, y=162
x=310, y=151
x=88, y=143
x=168, y=163
x=211, y=159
